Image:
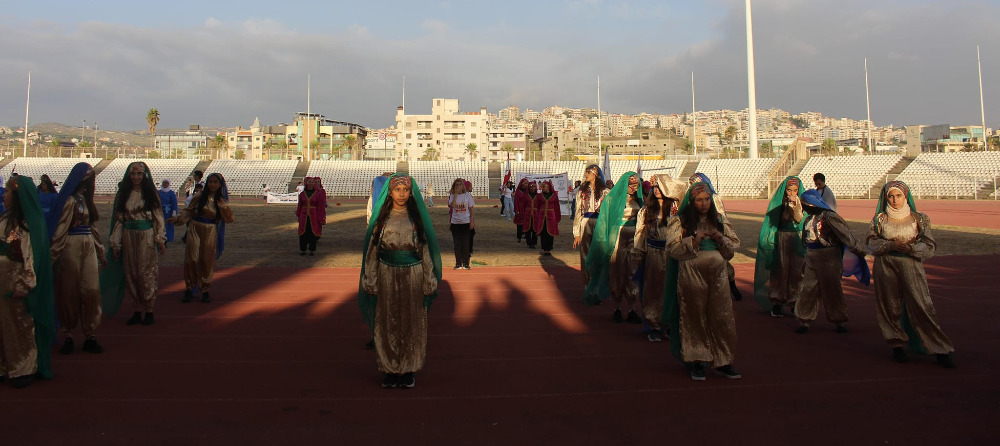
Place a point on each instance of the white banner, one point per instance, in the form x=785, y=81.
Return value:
x=560, y=182
x=292, y=198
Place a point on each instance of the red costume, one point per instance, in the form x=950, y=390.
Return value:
x=521, y=202
x=312, y=209
x=547, y=212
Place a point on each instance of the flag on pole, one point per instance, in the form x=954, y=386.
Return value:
x=506, y=178
x=607, y=165
x=638, y=168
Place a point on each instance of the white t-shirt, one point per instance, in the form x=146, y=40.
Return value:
x=299, y=188
x=461, y=205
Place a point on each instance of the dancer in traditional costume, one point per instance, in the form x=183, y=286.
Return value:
x=827, y=239
x=206, y=237
x=649, y=249
x=721, y=207
x=27, y=316
x=462, y=221
x=589, y=197
x=2, y=191
x=137, y=239
x=609, y=259
x=77, y=252
x=697, y=304
x=168, y=201
x=400, y=272
x=311, y=213
x=780, y=254
x=521, y=202
x=547, y=214
x=900, y=239
x=528, y=224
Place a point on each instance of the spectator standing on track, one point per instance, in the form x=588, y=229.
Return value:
x=508, y=199
x=825, y=191
x=300, y=188
x=900, y=239
x=400, y=272
x=462, y=221
x=430, y=195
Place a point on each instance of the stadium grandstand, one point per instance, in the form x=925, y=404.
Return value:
x=745, y=178
x=442, y=173
x=248, y=177
x=176, y=170
x=850, y=176
x=56, y=168
x=952, y=175
x=349, y=178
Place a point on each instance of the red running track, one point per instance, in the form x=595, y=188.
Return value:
x=970, y=213
x=515, y=358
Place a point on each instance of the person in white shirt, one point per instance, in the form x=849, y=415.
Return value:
x=825, y=191
x=462, y=221
x=300, y=188
x=429, y=195
x=508, y=200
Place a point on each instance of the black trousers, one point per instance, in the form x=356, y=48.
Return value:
x=547, y=239
x=308, y=239
x=472, y=237
x=503, y=205
x=460, y=235
x=531, y=238
x=520, y=232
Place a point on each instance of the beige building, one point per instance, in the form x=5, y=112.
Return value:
x=443, y=134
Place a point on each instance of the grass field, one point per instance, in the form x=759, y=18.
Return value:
x=265, y=235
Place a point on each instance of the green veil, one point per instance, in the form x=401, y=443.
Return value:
x=367, y=301
x=767, y=259
x=602, y=246
x=40, y=301
x=915, y=344
x=112, y=277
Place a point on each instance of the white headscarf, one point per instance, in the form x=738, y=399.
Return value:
x=903, y=211
x=167, y=187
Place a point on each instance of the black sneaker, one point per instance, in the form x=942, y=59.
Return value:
x=899, y=355
x=617, y=317
x=728, y=371
x=458, y=267
x=697, y=371
x=776, y=311
x=737, y=295
x=655, y=336
x=135, y=319
x=633, y=317
x=148, y=320
x=390, y=380
x=205, y=297
x=944, y=359
x=187, y=296
x=67, y=347
x=91, y=346
x=840, y=329
x=802, y=329
x=407, y=380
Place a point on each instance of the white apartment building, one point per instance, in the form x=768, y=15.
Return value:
x=511, y=113
x=445, y=132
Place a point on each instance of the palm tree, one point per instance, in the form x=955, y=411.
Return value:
x=153, y=118
x=730, y=135
x=470, y=148
x=218, y=142
x=829, y=147
x=350, y=141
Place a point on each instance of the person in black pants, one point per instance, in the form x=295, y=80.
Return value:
x=530, y=235
x=546, y=216
x=462, y=221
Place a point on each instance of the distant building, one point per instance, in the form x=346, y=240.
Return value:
x=444, y=134
x=943, y=138
x=191, y=143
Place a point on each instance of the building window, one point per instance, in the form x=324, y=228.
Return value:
x=472, y=136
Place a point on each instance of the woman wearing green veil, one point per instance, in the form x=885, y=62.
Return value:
x=697, y=302
x=400, y=272
x=27, y=306
x=780, y=254
x=609, y=260
x=900, y=239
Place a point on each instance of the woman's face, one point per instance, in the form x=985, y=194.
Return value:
x=8, y=196
x=532, y=188
x=310, y=183
x=213, y=184
x=896, y=198
x=589, y=176
x=703, y=202
x=165, y=184
x=400, y=194
x=633, y=185
x=546, y=188
x=135, y=174
x=792, y=190
x=657, y=193
x=458, y=187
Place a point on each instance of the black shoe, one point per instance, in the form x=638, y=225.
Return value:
x=697, y=371
x=136, y=319
x=407, y=380
x=840, y=329
x=728, y=371
x=187, y=296
x=302, y=253
x=370, y=345
x=458, y=266
x=205, y=297
x=617, y=317
x=22, y=381
x=802, y=329
x=148, y=320
x=776, y=311
x=91, y=346
x=67, y=347
x=633, y=317
x=390, y=380
x=655, y=336
x=737, y=295
x=899, y=355
x=944, y=359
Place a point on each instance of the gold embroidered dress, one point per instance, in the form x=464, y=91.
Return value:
x=76, y=247
x=620, y=271
x=398, y=270
x=588, y=208
x=706, y=322
x=649, y=252
x=18, y=351
x=202, y=240
x=786, y=279
x=825, y=236
x=137, y=233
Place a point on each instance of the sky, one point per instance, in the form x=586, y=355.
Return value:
x=224, y=63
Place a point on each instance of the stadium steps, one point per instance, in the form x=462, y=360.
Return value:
x=4, y=162
x=495, y=174
x=403, y=167
x=891, y=175
x=301, y=170
x=101, y=166
x=985, y=192
x=689, y=169
x=796, y=168
x=203, y=167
